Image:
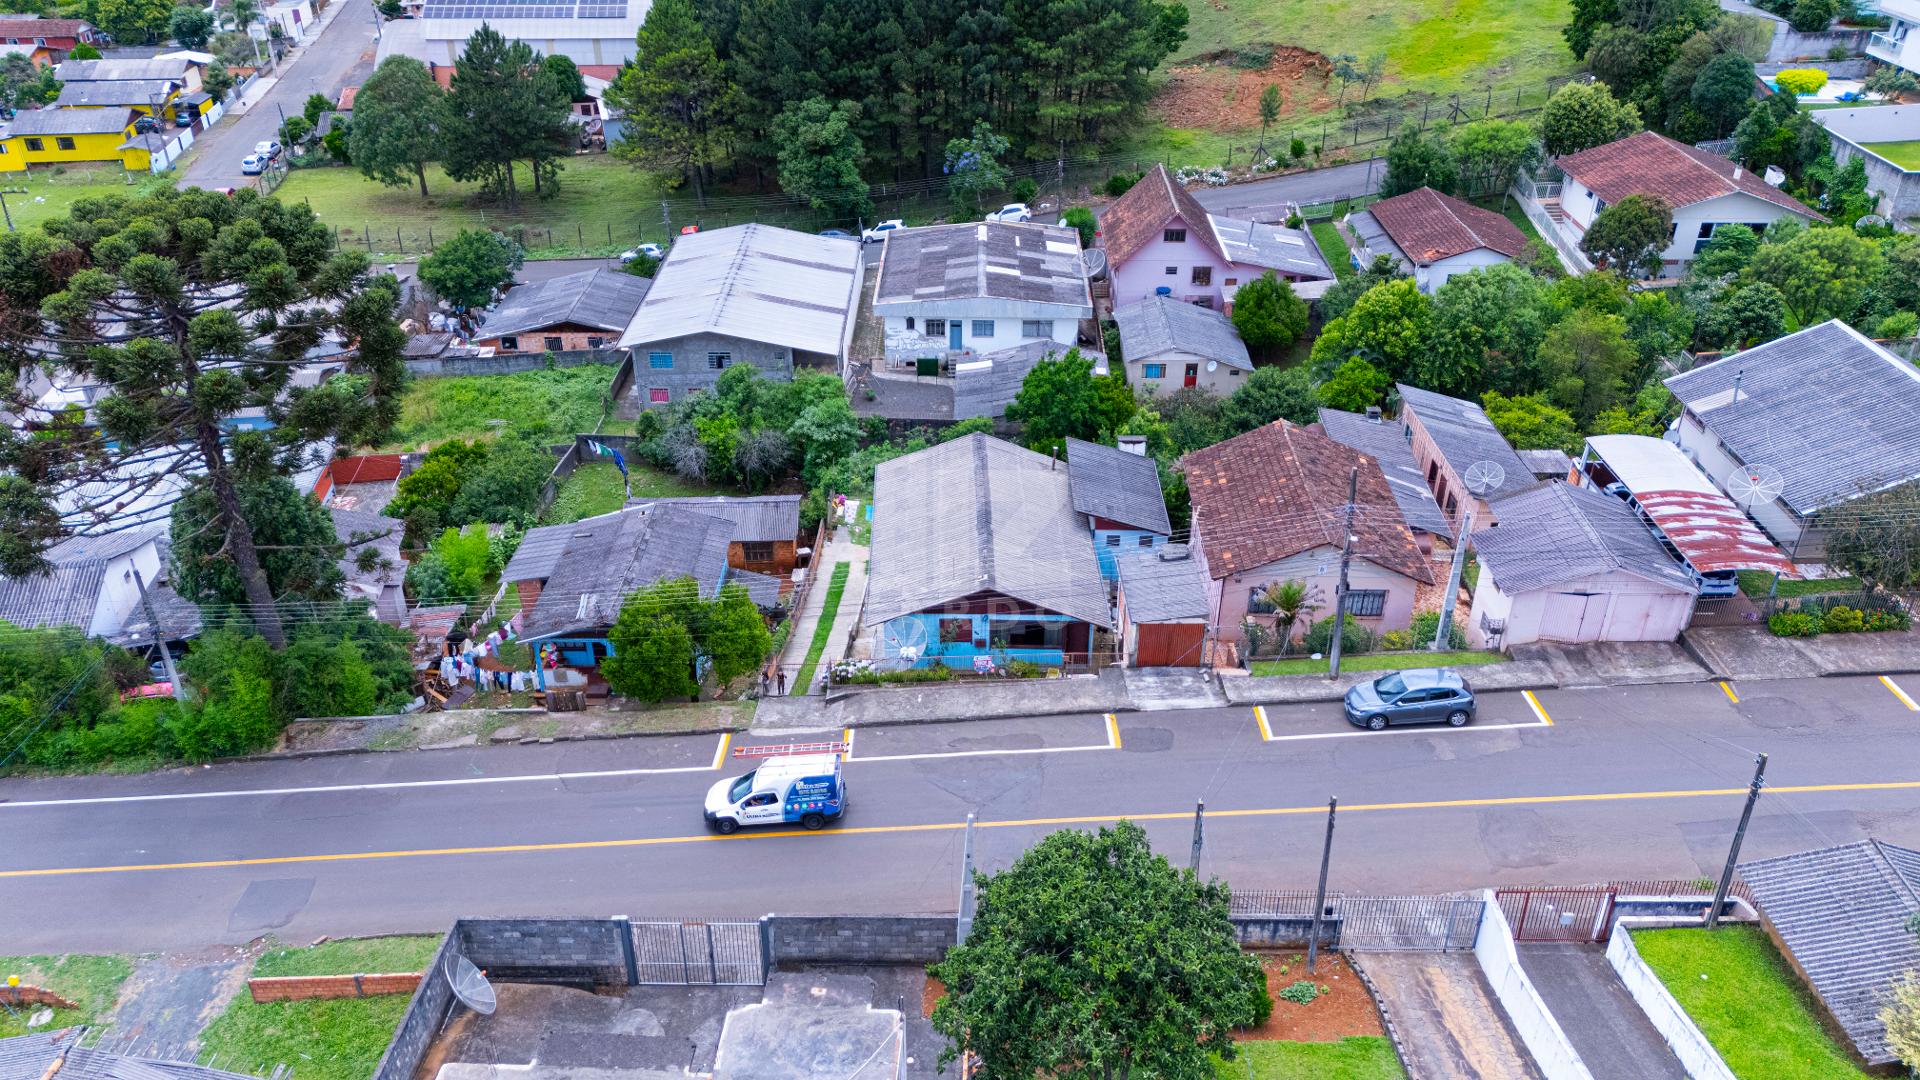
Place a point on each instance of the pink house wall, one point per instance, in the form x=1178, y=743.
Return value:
x=1147, y=269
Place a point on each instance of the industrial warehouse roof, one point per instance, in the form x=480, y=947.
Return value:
x=1834, y=413
x=1708, y=529
x=1558, y=533
x=1386, y=442
x=1842, y=913
x=978, y=515
x=755, y=282
x=600, y=298
x=1162, y=324
x=1022, y=262
x=1464, y=435
x=1162, y=584
x=147, y=92
x=68, y=122
x=1110, y=483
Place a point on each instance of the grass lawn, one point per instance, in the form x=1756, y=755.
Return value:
x=1747, y=1002
x=1334, y=247
x=340, y=1039
x=1377, y=662
x=595, y=488
x=1905, y=153
x=1357, y=1057
x=49, y=196
x=91, y=981
x=823, y=631
x=548, y=406
x=1755, y=583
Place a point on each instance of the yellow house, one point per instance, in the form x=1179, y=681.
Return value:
x=147, y=96
x=66, y=136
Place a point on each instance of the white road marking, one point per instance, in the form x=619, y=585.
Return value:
x=1260, y=718
x=1534, y=704
x=1429, y=728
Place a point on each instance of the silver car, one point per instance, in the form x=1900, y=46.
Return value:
x=1419, y=696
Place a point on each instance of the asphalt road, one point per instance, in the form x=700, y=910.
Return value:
x=1641, y=782
x=1317, y=186
x=319, y=66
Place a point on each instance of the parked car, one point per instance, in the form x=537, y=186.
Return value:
x=651, y=251
x=253, y=165
x=269, y=149
x=1013, y=211
x=837, y=234
x=879, y=232
x=1418, y=696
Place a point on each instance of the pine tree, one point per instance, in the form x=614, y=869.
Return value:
x=504, y=105
x=676, y=95
x=399, y=114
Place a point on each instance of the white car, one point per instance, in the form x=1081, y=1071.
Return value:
x=651, y=251
x=267, y=150
x=1013, y=211
x=253, y=165
x=879, y=232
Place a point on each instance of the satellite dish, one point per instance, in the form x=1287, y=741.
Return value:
x=1755, y=484
x=904, y=638
x=1871, y=221
x=471, y=987
x=1485, y=476
x=1213, y=365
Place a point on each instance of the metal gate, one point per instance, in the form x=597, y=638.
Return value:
x=1558, y=914
x=698, y=953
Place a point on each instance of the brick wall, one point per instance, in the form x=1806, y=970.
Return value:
x=314, y=987
x=858, y=939
x=510, y=363
x=570, y=339
x=34, y=995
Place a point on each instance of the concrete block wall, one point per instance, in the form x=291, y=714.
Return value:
x=572, y=952
x=509, y=364
x=315, y=987
x=1499, y=960
x=420, y=1024
x=857, y=939
x=1285, y=931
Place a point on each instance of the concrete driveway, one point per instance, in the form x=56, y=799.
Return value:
x=1614, y=1037
x=1445, y=1017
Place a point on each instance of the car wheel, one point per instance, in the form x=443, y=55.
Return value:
x=1376, y=723
x=725, y=825
x=813, y=821
x=1458, y=718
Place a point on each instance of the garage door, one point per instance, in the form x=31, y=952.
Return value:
x=1573, y=616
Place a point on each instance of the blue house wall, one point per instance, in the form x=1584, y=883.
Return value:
x=961, y=655
x=1109, y=542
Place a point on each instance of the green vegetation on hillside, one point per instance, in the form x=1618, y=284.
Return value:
x=550, y=406
x=596, y=488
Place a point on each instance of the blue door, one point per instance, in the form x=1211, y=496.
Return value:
x=953, y=334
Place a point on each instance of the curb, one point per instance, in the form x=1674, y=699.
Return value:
x=597, y=736
x=1386, y=1019
x=924, y=721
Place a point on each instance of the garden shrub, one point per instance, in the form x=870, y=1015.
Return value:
x=1354, y=638
x=1420, y=634
x=1841, y=619
x=1793, y=624
x=1302, y=992
x=1898, y=326
x=1801, y=80
x=1886, y=619
x=1120, y=183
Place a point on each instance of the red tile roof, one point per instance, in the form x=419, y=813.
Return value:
x=1430, y=226
x=1137, y=217
x=43, y=28
x=1279, y=490
x=1651, y=164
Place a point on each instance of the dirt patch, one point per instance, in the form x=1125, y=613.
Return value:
x=1345, y=1008
x=929, y=997
x=1215, y=92
x=471, y=727
x=170, y=999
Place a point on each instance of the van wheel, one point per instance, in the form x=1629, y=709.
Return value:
x=1376, y=723
x=1458, y=718
x=725, y=825
x=813, y=821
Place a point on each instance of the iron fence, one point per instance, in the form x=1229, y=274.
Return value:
x=698, y=954
x=1383, y=923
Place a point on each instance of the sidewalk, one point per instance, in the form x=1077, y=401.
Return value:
x=839, y=549
x=934, y=703
x=1754, y=654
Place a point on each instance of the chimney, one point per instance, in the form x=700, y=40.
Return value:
x=1133, y=444
x=1373, y=413
x=1738, y=172
x=1053, y=458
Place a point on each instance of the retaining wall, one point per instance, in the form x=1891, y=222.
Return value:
x=508, y=364
x=420, y=1024
x=34, y=995
x=314, y=987
x=1493, y=948
x=857, y=939
x=1683, y=1036
x=1285, y=931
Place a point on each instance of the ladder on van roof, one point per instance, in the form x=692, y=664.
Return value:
x=786, y=749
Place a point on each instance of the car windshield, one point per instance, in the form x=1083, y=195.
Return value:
x=740, y=788
x=1391, y=686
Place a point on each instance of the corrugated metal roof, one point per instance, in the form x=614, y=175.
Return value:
x=602, y=298
x=979, y=515
x=1710, y=531
x=1464, y=435
x=987, y=385
x=115, y=92
x=755, y=282
x=1160, y=324
x=755, y=518
x=1558, y=533
x=1386, y=442
x=1547, y=464
x=1108, y=482
x=1276, y=247
x=68, y=122
x=608, y=558
x=1166, y=585
x=1002, y=260
x=1836, y=414
x=376, y=532
x=51, y=1053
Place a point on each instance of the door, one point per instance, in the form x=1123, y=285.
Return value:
x=1193, y=375
x=953, y=334
x=760, y=808
x=1418, y=707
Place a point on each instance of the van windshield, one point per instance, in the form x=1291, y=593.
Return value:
x=740, y=788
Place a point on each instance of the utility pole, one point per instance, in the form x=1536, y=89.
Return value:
x=666, y=219
x=965, y=926
x=1340, y=593
x=1199, y=834
x=1447, y=600
x=1320, y=894
x=1739, y=834
x=159, y=642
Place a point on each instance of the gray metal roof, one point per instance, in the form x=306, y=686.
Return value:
x=112, y=545
x=1002, y=260
x=1275, y=247
x=1161, y=324
x=1373, y=237
x=1464, y=435
x=754, y=282
x=1841, y=912
x=1558, y=533
x=68, y=122
x=1547, y=464
x=600, y=298
x=66, y=594
x=979, y=515
x=763, y=588
x=51, y=1053
x=986, y=386
x=755, y=518
x=378, y=533
x=1385, y=441
x=1164, y=585
x=1108, y=482
x=72, y=71
x=1835, y=413
x=115, y=92
x=607, y=558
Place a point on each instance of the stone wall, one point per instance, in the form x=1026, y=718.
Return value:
x=857, y=939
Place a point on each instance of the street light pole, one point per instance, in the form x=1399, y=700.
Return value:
x=1739, y=834
x=1199, y=834
x=1340, y=593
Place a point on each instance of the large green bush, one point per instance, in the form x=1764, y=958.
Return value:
x=1793, y=624
x=1354, y=638
x=1420, y=634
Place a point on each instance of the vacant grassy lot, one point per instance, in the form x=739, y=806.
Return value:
x=1747, y=1002
x=341, y=1039
x=93, y=982
x=1376, y=662
x=50, y=196
x=548, y=406
x=596, y=488
x=1755, y=583
x=1904, y=154
x=1333, y=247
x=1359, y=1057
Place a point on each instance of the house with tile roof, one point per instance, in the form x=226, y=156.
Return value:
x=1118, y=490
x=1159, y=241
x=1390, y=444
x=46, y=41
x=573, y=312
x=1269, y=506
x=1170, y=344
x=1433, y=236
x=1705, y=191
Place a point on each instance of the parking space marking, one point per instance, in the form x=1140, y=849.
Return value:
x=847, y=737
x=1431, y=729
x=1260, y=718
x=1728, y=689
x=720, y=752
x=1534, y=703
x=1899, y=693
x=1112, y=743
x=1113, y=731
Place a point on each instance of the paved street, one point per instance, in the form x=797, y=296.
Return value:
x=320, y=65
x=1317, y=186
x=1631, y=782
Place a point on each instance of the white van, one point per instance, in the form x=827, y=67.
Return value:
x=804, y=788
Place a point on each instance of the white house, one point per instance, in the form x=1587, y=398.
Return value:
x=953, y=293
x=88, y=584
x=1705, y=191
x=1169, y=344
x=1434, y=236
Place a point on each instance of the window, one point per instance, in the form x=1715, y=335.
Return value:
x=1232, y=281
x=1153, y=371
x=1173, y=271
x=35, y=144
x=717, y=361
x=554, y=344
x=1204, y=302
x=1146, y=541
x=510, y=343
x=1203, y=275
x=1433, y=467
x=1706, y=229
x=756, y=551
x=982, y=328
x=1362, y=603
x=594, y=342
x=1174, y=236
x=1030, y=328
x=63, y=142
x=657, y=395
x=955, y=631
x=1113, y=541
x=660, y=361
x=936, y=328
x=1451, y=504
x=909, y=322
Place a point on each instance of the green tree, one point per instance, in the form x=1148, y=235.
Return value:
x=974, y=168
x=1487, y=326
x=1727, y=253
x=1269, y=111
x=505, y=106
x=217, y=80
x=1391, y=325
x=244, y=13
x=1620, y=57
x=677, y=95
x=1270, y=394
x=130, y=21
x=1091, y=956
x=1268, y=315
x=1813, y=16
x=1582, y=115
x=24, y=86
x=1354, y=386
x=1724, y=90
x=737, y=640
x=566, y=76
x=295, y=534
x=1822, y=273
x=1587, y=360
x=826, y=432
x=820, y=157
x=466, y=269
x=400, y=123
x=190, y=27
x=1491, y=153
x=1875, y=537
x=1081, y=218
x=1589, y=17
x=1061, y=399
x=1531, y=422
x=653, y=647
x=1744, y=316
x=1629, y=235
x=84, y=51
x=1347, y=291
x=295, y=130
x=506, y=486
x=1415, y=160
x=1900, y=1015
x=316, y=106
x=424, y=497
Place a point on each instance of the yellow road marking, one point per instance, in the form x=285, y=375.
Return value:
x=1113, y=731
x=1534, y=702
x=1728, y=689
x=948, y=826
x=1899, y=693
x=847, y=737
x=1260, y=718
x=720, y=754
